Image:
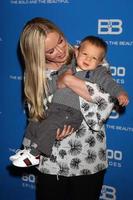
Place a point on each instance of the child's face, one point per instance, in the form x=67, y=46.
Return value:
x=89, y=56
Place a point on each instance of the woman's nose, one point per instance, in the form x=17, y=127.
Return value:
x=59, y=49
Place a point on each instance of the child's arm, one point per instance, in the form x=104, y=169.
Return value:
x=79, y=87
x=75, y=84
x=89, y=92
x=103, y=78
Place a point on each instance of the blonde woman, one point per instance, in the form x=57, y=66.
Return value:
x=77, y=164
x=65, y=106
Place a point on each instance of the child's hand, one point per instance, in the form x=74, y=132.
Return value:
x=123, y=99
x=68, y=130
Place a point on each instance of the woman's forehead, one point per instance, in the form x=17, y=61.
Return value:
x=51, y=40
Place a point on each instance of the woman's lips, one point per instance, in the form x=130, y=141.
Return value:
x=62, y=56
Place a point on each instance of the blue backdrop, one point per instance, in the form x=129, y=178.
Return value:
x=111, y=20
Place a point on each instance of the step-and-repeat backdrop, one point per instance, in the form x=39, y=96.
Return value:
x=111, y=20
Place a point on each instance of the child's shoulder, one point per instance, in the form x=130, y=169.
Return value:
x=101, y=68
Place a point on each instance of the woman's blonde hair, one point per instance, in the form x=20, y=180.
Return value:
x=32, y=44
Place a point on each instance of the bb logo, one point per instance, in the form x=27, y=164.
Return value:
x=108, y=193
x=109, y=26
x=118, y=71
x=114, y=115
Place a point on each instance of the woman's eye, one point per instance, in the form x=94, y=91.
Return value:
x=60, y=41
x=51, y=51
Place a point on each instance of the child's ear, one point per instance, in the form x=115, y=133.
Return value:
x=102, y=61
x=76, y=51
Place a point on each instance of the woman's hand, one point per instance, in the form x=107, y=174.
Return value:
x=68, y=130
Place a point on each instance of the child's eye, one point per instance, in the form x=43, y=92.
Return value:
x=84, y=53
x=94, y=58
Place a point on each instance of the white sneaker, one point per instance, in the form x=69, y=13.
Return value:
x=26, y=160
x=18, y=153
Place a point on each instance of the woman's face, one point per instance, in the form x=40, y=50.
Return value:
x=56, y=48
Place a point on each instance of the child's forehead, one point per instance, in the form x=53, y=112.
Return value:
x=86, y=44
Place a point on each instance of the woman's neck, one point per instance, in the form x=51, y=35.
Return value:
x=54, y=66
